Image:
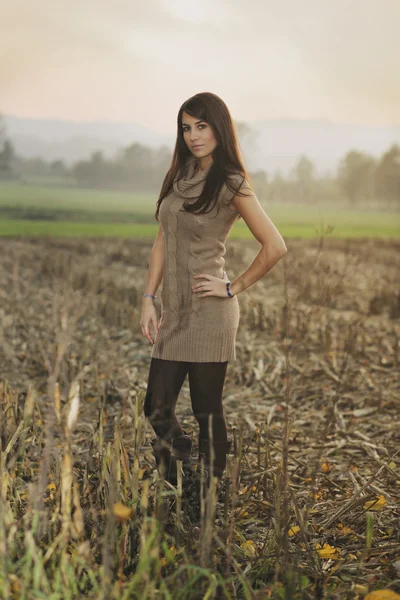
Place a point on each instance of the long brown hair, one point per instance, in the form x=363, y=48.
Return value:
x=226, y=155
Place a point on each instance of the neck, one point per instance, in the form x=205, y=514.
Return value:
x=203, y=163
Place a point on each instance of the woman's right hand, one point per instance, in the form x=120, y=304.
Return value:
x=149, y=315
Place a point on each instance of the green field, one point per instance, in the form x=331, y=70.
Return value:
x=27, y=210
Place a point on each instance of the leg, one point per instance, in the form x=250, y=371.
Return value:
x=165, y=381
x=206, y=382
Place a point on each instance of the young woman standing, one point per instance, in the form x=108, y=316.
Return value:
x=204, y=192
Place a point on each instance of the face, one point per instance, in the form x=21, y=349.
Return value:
x=198, y=133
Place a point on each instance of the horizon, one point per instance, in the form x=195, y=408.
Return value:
x=115, y=121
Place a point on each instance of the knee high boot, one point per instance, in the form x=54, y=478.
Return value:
x=167, y=453
x=221, y=449
x=192, y=493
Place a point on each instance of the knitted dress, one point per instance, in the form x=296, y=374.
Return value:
x=192, y=328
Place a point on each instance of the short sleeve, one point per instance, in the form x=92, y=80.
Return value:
x=236, y=184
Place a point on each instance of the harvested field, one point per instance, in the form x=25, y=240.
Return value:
x=311, y=507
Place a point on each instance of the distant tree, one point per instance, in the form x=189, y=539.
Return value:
x=356, y=175
x=387, y=175
x=58, y=168
x=247, y=138
x=304, y=170
x=2, y=132
x=243, y=129
x=303, y=174
x=260, y=176
x=7, y=156
x=7, y=153
x=162, y=159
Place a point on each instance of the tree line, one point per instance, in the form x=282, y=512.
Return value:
x=361, y=179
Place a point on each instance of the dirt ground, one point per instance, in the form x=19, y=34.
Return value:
x=317, y=369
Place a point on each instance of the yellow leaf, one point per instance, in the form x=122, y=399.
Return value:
x=121, y=511
x=383, y=595
x=326, y=466
x=327, y=551
x=51, y=487
x=319, y=494
x=345, y=529
x=376, y=504
x=248, y=548
x=293, y=530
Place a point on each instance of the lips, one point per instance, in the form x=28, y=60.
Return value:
x=199, y=146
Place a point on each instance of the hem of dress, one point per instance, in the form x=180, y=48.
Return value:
x=195, y=345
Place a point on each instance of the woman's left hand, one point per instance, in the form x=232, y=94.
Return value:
x=212, y=286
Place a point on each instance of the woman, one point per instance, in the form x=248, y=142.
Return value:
x=204, y=192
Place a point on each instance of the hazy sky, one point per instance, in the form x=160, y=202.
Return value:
x=138, y=60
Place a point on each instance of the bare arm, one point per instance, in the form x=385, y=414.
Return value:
x=155, y=272
x=273, y=247
x=154, y=277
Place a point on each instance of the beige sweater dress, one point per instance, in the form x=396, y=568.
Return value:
x=191, y=328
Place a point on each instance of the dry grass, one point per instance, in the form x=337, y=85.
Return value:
x=311, y=506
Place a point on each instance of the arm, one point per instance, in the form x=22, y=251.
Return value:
x=155, y=272
x=154, y=276
x=273, y=247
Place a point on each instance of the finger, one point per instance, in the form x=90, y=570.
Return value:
x=155, y=326
x=204, y=286
x=148, y=335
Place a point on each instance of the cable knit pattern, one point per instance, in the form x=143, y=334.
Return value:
x=171, y=258
x=195, y=262
x=194, y=328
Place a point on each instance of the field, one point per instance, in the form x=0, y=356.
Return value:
x=66, y=211
x=311, y=502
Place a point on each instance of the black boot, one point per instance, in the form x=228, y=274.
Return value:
x=167, y=453
x=162, y=453
x=192, y=494
x=181, y=447
x=221, y=450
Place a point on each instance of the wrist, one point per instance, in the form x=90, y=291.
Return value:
x=229, y=291
x=233, y=288
x=148, y=298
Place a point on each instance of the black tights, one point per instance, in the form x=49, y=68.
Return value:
x=206, y=382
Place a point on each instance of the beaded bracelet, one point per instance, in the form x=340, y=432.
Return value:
x=150, y=295
x=228, y=283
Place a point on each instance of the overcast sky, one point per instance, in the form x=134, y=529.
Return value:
x=138, y=60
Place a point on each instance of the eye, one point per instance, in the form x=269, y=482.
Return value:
x=201, y=126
